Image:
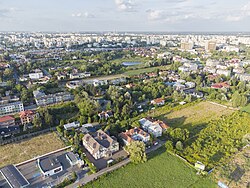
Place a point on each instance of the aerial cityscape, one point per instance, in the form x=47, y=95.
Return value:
x=124, y=93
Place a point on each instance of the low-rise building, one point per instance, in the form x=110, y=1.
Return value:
x=158, y=101
x=11, y=108
x=36, y=75
x=8, y=126
x=220, y=85
x=42, y=99
x=100, y=144
x=135, y=134
x=72, y=125
x=105, y=115
x=152, y=127
x=223, y=72
x=27, y=116
x=49, y=166
x=79, y=75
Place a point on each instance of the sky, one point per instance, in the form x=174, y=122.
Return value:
x=125, y=15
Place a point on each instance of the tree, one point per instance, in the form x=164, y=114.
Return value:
x=48, y=119
x=37, y=121
x=179, y=134
x=169, y=145
x=179, y=146
x=135, y=124
x=137, y=152
x=239, y=99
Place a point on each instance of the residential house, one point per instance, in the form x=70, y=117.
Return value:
x=79, y=75
x=7, y=108
x=190, y=84
x=220, y=85
x=27, y=116
x=72, y=125
x=49, y=165
x=36, y=75
x=8, y=126
x=100, y=144
x=135, y=134
x=243, y=77
x=193, y=92
x=42, y=99
x=152, y=127
x=105, y=115
x=158, y=101
x=223, y=72
x=178, y=86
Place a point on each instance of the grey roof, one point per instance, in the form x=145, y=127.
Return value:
x=14, y=177
x=71, y=156
x=49, y=163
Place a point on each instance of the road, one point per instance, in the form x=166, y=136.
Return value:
x=92, y=177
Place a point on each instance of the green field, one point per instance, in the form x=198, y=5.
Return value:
x=246, y=109
x=144, y=70
x=194, y=118
x=162, y=170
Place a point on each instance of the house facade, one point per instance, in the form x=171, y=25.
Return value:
x=100, y=144
x=135, y=134
x=27, y=116
x=42, y=99
x=11, y=108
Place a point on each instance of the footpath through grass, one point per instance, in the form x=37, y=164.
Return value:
x=28, y=149
x=162, y=170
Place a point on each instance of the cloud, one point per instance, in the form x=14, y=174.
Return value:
x=4, y=12
x=83, y=15
x=169, y=16
x=125, y=5
x=240, y=14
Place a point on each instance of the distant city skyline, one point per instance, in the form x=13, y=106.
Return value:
x=125, y=15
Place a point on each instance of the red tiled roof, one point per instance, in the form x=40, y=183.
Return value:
x=6, y=118
x=26, y=112
x=220, y=85
x=159, y=100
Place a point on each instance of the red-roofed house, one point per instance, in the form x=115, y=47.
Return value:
x=135, y=134
x=220, y=85
x=27, y=116
x=158, y=101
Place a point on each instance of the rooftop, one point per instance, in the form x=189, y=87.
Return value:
x=14, y=177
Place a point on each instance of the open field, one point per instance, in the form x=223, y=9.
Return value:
x=145, y=70
x=162, y=170
x=194, y=117
x=22, y=151
x=236, y=172
x=246, y=108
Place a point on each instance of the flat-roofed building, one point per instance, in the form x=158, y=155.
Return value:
x=49, y=166
x=14, y=177
x=11, y=108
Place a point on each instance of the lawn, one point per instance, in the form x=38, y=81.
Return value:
x=194, y=117
x=246, y=108
x=27, y=149
x=162, y=170
x=144, y=70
